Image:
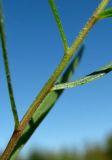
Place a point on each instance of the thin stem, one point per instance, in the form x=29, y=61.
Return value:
x=7, y=71
x=48, y=86
x=88, y=26
x=59, y=24
x=89, y=78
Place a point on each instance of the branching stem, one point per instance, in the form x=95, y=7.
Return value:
x=48, y=86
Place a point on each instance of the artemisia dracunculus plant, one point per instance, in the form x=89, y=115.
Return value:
x=56, y=84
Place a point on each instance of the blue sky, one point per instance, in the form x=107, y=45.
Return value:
x=83, y=114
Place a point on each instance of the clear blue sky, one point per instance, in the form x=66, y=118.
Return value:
x=82, y=114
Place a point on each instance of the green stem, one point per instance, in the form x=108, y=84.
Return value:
x=66, y=59
x=59, y=24
x=48, y=86
x=7, y=71
x=46, y=106
x=88, y=26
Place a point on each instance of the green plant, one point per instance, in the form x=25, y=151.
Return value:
x=54, y=87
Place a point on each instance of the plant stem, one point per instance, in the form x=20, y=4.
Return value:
x=59, y=24
x=46, y=105
x=7, y=70
x=88, y=25
x=48, y=86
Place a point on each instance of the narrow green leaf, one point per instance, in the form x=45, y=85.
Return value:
x=59, y=24
x=105, y=14
x=89, y=78
x=46, y=105
x=7, y=71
